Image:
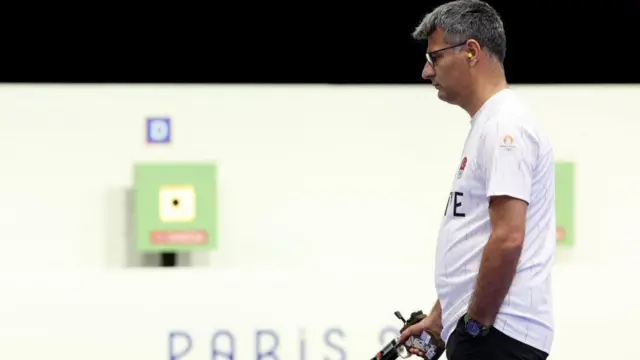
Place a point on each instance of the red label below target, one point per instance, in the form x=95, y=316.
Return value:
x=179, y=237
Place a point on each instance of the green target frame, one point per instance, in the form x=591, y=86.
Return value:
x=175, y=207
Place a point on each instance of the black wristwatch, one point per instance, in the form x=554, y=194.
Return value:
x=474, y=328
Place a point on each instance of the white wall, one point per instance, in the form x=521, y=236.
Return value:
x=323, y=187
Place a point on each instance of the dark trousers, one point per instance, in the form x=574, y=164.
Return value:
x=493, y=346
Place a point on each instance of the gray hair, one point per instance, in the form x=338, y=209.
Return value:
x=462, y=20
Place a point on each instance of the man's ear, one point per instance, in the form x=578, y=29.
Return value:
x=473, y=50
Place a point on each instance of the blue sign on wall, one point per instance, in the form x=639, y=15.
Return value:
x=158, y=130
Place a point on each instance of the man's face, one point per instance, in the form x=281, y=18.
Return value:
x=449, y=72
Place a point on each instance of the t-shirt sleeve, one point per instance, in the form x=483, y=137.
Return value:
x=508, y=160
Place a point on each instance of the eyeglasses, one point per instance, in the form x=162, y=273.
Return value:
x=432, y=56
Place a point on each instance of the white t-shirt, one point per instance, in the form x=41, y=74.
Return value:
x=505, y=153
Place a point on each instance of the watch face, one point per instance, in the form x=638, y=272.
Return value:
x=473, y=328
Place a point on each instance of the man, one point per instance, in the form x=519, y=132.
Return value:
x=496, y=244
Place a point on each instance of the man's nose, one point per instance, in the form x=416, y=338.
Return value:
x=427, y=71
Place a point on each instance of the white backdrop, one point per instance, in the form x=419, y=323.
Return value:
x=326, y=188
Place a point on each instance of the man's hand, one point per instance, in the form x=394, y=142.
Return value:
x=428, y=323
